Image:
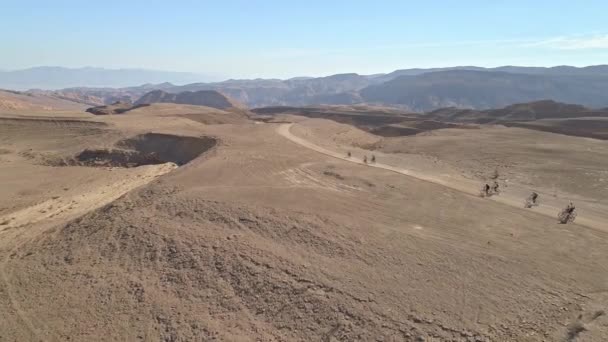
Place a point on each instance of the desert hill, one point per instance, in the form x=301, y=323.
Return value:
x=14, y=101
x=162, y=224
x=544, y=115
x=114, y=108
x=208, y=98
x=200, y=114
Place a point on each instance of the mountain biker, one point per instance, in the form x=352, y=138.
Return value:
x=570, y=208
x=495, y=187
x=534, y=197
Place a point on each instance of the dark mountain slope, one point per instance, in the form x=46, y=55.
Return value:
x=483, y=90
x=537, y=110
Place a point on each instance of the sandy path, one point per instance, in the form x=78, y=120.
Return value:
x=65, y=208
x=462, y=185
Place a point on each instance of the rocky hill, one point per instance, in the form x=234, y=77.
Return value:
x=484, y=90
x=208, y=98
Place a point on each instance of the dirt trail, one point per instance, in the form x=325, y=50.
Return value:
x=266, y=240
x=65, y=208
x=462, y=185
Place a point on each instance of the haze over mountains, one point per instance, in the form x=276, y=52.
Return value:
x=483, y=90
x=50, y=77
x=411, y=89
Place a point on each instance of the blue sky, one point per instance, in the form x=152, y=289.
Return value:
x=293, y=38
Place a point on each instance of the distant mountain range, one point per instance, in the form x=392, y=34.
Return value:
x=410, y=89
x=59, y=77
x=487, y=89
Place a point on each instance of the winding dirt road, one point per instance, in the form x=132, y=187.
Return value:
x=590, y=220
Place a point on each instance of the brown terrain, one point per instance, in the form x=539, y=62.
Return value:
x=114, y=108
x=537, y=110
x=19, y=102
x=175, y=222
x=546, y=115
x=591, y=127
x=208, y=98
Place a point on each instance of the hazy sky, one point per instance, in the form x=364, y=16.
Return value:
x=296, y=38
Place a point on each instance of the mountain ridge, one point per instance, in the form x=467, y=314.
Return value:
x=54, y=77
x=412, y=89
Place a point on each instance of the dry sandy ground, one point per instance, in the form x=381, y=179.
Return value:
x=560, y=168
x=264, y=239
